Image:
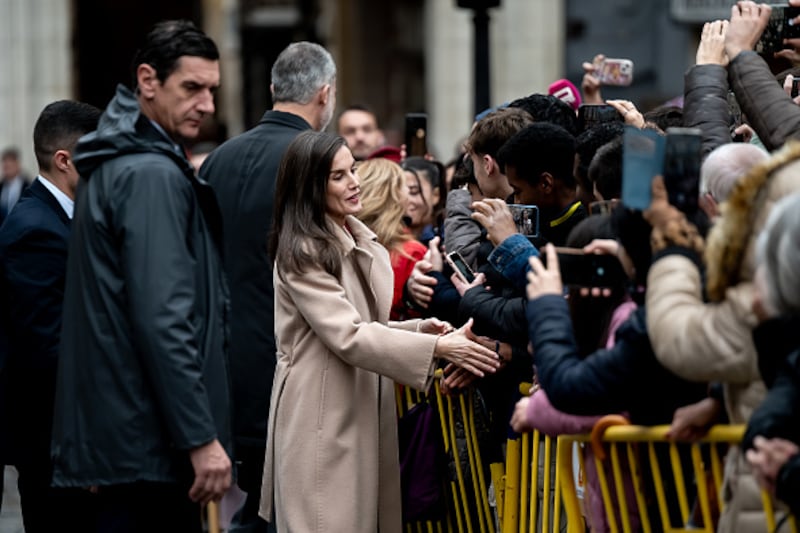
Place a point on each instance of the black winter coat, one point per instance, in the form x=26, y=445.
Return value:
x=769, y=110
x=627, y=377
x=779, y=415
x=243, y=172
x=705, y=105
x=142, y=371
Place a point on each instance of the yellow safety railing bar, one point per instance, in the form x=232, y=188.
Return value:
x=479, y=482
x=677, y=471
x=557, y=496
x=650, y=436
x=575, y=523
x=641, y=504
x=511, y=491
x=546, y=494
x=535, y=481
x=497, y=471
x=619, y=482
x=525, y=482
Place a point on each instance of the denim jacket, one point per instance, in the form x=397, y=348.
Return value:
x=510, y=259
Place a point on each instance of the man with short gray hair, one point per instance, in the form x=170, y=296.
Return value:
x=242, y=172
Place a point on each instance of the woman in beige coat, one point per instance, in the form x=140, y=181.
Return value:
x=332, y=457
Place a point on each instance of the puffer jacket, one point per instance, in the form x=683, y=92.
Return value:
x=626, y=377
x=769, y=110
x=142, y=375
x=705, y=105
x=712, y=341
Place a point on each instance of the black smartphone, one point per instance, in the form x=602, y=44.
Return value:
x=460, y=267
x=795, y=86
x=588, y=270
x=590, y=115
x=736, y=117
x=682, y=160
x=778, y=28
x=416, y=134
x=526, y=218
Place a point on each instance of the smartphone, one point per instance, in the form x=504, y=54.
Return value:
x=778, y=28
x=682, y=159
x=642, y=160
x=416, y=134
x=612, y=71
x=795, y=86
x=588, y=270
x=526, y=218
x=460, y=267
x=590, y=115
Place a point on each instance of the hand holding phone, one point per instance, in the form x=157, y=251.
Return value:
x=613, y=71
x=779, y=27
x=460, y=267
x=642, y=160
x=526, y=218
x=682, y=160
x=589, y=270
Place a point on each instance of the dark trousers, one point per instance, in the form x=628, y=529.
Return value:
x=46, y=509
x=146, y=506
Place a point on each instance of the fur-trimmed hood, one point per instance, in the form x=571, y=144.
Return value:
x=731, y=243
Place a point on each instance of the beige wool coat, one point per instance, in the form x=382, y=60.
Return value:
x=332, y=455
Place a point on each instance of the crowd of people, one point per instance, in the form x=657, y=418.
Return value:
x=173, y=328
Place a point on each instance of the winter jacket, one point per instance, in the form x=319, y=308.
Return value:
x=462, y=234
x=779, y=414
x=142, y=370
x=626, y=377
x=769, y=110
x=705, y=105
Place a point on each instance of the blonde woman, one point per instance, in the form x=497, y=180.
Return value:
x=384, y=199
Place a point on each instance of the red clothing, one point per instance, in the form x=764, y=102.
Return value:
x=402, y=265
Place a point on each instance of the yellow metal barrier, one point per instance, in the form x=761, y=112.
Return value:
x=468, y=508
x=530, y=466
x=648, y=452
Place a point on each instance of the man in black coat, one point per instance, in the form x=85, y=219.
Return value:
x=242, y=172
x=142, y=409
x=33, y=266
x=12, y=182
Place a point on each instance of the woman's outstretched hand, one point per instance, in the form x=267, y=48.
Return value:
x=462, y=349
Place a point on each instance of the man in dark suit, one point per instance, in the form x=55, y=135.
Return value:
x=33, y=263
x=13, y=182
x=242, y=172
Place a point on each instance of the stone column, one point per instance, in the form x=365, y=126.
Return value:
x=527, y=39
x=221, y=23
x=35, y=67
x=527, y=54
